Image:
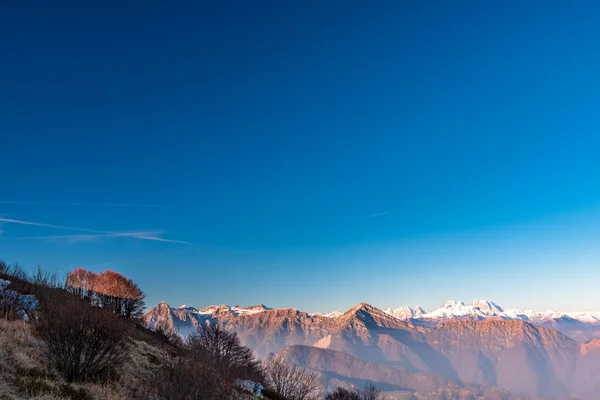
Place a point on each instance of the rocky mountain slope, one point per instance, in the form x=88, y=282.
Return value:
x=581, y=326
x=513, y=354
x=338, y=367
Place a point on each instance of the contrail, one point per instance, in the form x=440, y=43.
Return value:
x=157, y=239
x=138, y=235
x=382, y=214
x=126, y=234
x=69, y=228
x=43, y=203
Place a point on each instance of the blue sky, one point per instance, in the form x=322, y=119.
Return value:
x=307, y=154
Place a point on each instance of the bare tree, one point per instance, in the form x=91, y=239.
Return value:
x=370, y=392
x=291, y=381
x=223, y=350
x=342, y=394
x=45, y=279
x=367, y=392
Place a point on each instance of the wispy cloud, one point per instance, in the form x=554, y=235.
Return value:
x=70, y=228
x=97, y=233
x=91, y=237
x=44, y=203
x=159, y=239
x=105, y=264
x=381, y=214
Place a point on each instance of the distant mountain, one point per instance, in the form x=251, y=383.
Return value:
x=341, y=368
x=406, y=312
x=581, y=326
x=470, y=344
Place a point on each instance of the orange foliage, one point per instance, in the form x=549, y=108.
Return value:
x=108, y=289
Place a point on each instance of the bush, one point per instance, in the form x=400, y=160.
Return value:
x=291, y=381
x=212, y=362
x=368, y=392
x=222, y=350
x=342, y=394
x=84, y=343
x=185, y=379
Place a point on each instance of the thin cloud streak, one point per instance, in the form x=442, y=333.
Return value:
x=69, y=228
x=84, y=237
x=43, y=203
x=158, y=239
x=138, y=235
x=382, y=214
x=106, y=264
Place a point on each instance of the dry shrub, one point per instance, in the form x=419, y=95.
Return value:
x=84, y=343
x=291, y=381
x=214, y=359
x=342, y=394
x=19, y=349
x=223, y=351
x=367, y=392
x=185, y=379
x=370, y=392
x=140, y=368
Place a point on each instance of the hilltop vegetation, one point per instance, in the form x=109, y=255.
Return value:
x=82, y=339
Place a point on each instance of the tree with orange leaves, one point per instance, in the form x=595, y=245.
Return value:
x=81, y=282
x=109, y=290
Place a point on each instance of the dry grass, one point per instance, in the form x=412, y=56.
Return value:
x=25, y=371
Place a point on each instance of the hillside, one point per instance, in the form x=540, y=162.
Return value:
x=64, y=340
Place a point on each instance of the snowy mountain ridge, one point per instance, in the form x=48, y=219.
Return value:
x=484, y=309
x=476, y=310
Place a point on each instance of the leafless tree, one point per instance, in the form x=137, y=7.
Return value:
x=367, y=392
x=370, y=392
x=342, y=394
x=291, y=381
x=45, y=279
x=223, y=350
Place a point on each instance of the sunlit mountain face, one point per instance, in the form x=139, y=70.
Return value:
x=477, y=348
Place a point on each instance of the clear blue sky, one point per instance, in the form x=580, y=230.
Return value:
x=311, y=153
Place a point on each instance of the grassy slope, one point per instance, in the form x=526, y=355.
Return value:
x=25, y=371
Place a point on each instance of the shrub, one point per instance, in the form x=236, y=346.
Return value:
x=84, y=343
x=342, y=394
x=45, y=279
x=370, y=392
x=367, y=392
x=291, y=381
x=67, y=391
x=223, y=351
x=185, y=379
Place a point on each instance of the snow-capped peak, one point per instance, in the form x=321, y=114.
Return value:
x=450, y=304
x=406, y=312
x=187, y=308
x=487, y=306
x=485, y=309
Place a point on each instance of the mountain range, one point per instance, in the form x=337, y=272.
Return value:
x=459, y=350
